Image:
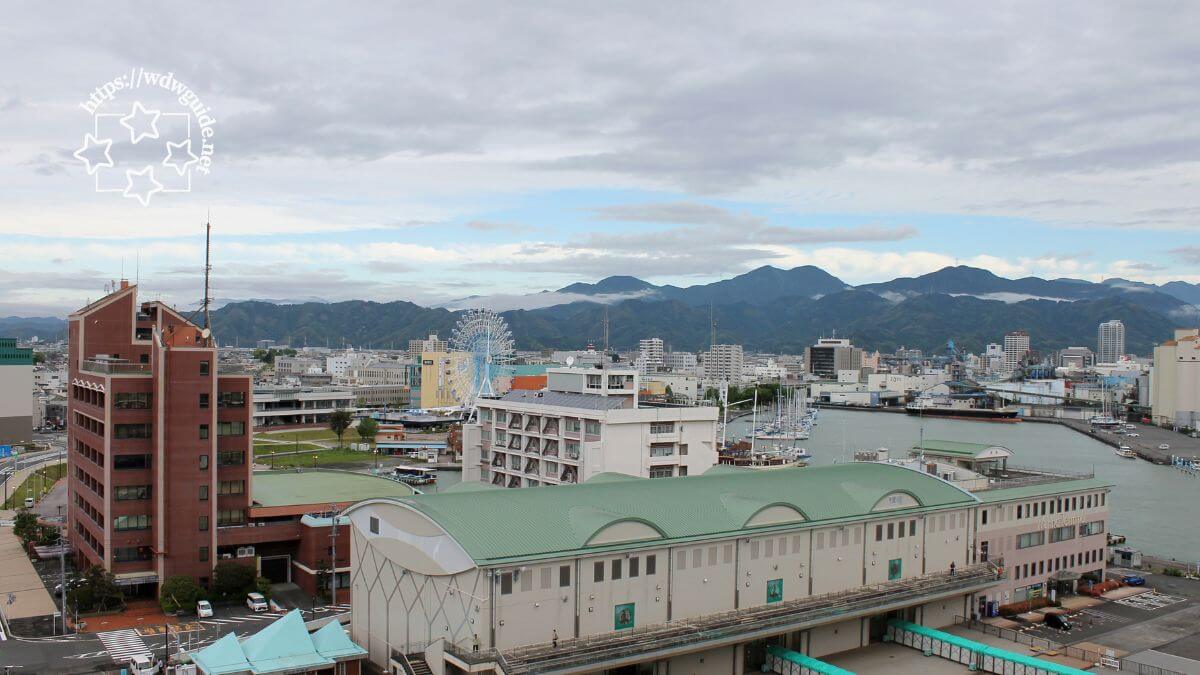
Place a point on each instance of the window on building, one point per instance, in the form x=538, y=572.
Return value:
x=683, y=471
x=983, y=517
x=231, y=428
x=226, y=517
x=634, y=564
x=231, y=399
x=203, y=431
x=131, y=461
x=131, y=431
x=1094, y=527
x=205, y=367
x=564, y=576
x=129, y=492
x=506, y=583
x=203, y=554
x=683, y=449
x=879, y=533
x=203, y=493
x=1031, y=539
x=203, y=462
x=231, y=458
x=662, y=427
x=591, y=428
x=131, y=554
x=1020, y=507
x=141, y=522
x=662, y=471
x=598, y=572
x=651, y=565
x=374, y=522
x=616, y=569
x=204, y=523
x=204, y=400
x=231, y=487
x=1065, y=533
x=131, y=400
x=891, y=527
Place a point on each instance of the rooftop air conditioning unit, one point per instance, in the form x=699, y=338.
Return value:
x=245, y=551
x=226, y=556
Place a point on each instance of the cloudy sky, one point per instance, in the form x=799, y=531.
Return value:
x=427, y=151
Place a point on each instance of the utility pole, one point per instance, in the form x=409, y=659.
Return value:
x=207, y=268
x=333, y=556
x=62, y=564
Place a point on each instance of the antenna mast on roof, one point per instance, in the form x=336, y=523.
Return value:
x=604, y=357
x=207, y=267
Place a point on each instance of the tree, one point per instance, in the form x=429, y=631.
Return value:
x=339, y=421
x=179, y=592
x=25, y=524
x=367, y=428
x=263, y=585
x=97, y=591
x=232, y=580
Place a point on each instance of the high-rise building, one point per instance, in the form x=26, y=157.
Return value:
x=1110, y=341
x=680, y=362
x=1175, y=380
x=650, y=355
x=1016, y=348
x=723, y=363
x=830, y=355
x=16, y=393
x=159, y=441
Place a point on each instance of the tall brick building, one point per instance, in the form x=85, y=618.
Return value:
x=159, y=441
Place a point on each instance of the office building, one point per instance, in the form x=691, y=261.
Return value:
x=700, y=574
x=1016, y=349
x=1110, y=342
x=439, y=376
x=1175, y=380
x=680, y=362
x=1076, y=358
x=585, y=422
x=830, y=355
x=281, y=407
x=723, y=363
x=16, y=393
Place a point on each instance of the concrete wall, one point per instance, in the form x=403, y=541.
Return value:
x=836, y=637
x=703, y=579
x=722, y=661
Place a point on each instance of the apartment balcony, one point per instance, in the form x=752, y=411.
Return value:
x=514, y=482
x=551, y=429
x=571, y=454
x=514, y=463
x=569, y=476
x=531, y=466
x=514, y=443
x=657, y=642
x=551, y=449
x=514, y=422
x=498, y=459
x=533, y=445
x=498, y=479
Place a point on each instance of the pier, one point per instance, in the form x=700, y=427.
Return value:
x=1145, y=445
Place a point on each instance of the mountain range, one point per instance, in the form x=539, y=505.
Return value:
x=767, y=309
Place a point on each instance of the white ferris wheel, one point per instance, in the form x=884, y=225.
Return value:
x=486, y=345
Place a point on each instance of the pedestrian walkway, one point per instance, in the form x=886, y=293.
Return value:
x=22, y=593
x=125, y=644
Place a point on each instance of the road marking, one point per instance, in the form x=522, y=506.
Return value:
x=123, y=645
x=88, y=655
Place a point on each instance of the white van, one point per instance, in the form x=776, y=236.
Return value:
x=29, y=502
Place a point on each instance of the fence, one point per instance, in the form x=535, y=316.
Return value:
x=1044, y=644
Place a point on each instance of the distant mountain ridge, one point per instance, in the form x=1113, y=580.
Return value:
x=767, y=308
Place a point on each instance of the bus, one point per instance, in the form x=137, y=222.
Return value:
x=414, y=475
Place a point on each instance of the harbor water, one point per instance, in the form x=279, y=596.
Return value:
x=1154, y=506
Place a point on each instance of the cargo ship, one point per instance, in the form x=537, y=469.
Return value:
x=958, y=408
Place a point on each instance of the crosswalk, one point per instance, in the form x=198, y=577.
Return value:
x=123, y=645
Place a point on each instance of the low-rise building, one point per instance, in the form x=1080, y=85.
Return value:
x=697, y=574
x=585, y=422
x=276, y=407
x=16, y=393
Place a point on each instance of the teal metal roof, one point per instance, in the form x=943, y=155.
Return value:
x=284, y=646
x=1042, y=490
x=805, y=661
x=499, y=526
x=955, y=448
x=314, y=486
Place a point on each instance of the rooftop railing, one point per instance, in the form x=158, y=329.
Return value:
x=115, y=368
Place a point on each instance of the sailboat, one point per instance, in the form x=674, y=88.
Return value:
x=793, y=420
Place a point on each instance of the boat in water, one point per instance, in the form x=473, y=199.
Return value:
x=1126, y=452
x=790, y=420
x=928, y=405
x=414, y=475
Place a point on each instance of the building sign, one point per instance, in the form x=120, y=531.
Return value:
x=894, y=569
x=5, y=451
x=775, y=590
x=623, y=616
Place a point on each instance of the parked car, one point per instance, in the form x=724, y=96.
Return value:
x=142, y=665
x=29, y=502
x=1133, y=580
x=256, y=602
x=1164, y=446
x=204, y=609
x=1133, y=434
x=58, y=588
x=1058, y=621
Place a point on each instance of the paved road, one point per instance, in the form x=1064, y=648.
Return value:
x=89, y=652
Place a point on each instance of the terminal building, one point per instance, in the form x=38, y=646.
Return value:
x=585, y=422
x=706, y=574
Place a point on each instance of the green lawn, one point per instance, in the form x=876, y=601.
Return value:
x=323, y=457
x=303, y=435
x=37, y=484
x=268, y=448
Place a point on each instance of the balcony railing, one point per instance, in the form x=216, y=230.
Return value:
x=498, y=460
x=113, y=368
x=531, y=466
x=569, y=476
x=551, y=449
x=656, y=641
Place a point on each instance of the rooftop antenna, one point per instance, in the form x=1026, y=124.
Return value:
x=604, y=358
x=207, y=267
x=712, y=320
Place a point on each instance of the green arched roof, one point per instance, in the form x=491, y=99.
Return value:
x=509, y=525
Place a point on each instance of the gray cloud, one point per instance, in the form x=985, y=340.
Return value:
x=1187, y=254
x=489, y=226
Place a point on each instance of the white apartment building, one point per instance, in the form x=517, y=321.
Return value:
x=585, y=422
x=723, y=363
x=295, y=366
x=650, y=354
x=1175, y=380
x=1110, y=342
x=430, y=344
x=1016, y=348
x=391, y=373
